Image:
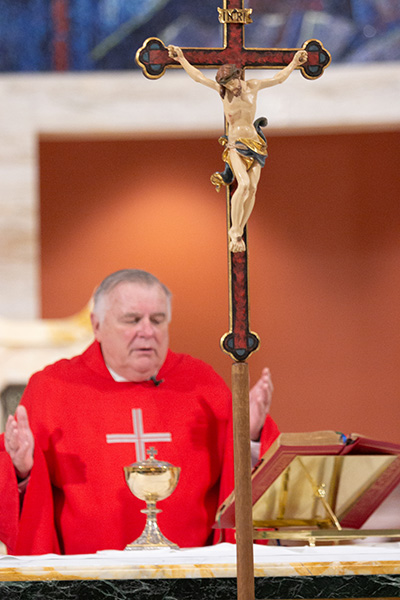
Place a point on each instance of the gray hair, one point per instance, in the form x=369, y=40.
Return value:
x=128, y=276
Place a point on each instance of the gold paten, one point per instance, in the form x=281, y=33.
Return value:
x=312, y=536
x=235, y=15
x=151, y=480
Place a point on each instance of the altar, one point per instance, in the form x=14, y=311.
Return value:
x=361, y=570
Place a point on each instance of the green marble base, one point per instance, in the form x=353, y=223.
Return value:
x=357, y=586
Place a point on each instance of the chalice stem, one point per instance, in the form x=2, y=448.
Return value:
x=151, y=536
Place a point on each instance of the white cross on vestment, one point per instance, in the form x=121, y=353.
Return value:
x=138, y=437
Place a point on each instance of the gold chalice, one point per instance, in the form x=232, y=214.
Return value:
x=151, y=480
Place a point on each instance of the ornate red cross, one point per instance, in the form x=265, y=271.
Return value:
x=153, y=57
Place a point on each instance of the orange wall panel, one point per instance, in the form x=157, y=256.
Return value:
x=324, y=256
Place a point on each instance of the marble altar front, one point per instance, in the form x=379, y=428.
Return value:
x=343, y=571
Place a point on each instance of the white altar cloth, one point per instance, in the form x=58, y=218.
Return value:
x=212, y=561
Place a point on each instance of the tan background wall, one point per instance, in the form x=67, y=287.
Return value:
x=324, y=259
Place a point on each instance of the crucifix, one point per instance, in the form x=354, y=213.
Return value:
x=244, y=154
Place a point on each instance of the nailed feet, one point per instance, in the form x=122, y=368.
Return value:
x=236, y=242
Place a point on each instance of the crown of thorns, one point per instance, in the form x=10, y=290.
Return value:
x=226, y=73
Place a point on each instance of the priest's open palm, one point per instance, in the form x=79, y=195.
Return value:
x=260, y=403
x=19, y=442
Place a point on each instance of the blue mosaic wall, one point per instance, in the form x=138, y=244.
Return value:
x=86, y=35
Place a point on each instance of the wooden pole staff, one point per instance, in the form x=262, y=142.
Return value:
x=243, y=513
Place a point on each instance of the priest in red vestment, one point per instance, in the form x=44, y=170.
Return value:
x=82, y=420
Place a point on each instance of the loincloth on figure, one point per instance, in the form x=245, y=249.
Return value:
x=250, y=150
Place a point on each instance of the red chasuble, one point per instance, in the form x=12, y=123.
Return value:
x=87, y=427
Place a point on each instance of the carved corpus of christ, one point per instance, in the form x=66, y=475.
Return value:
x=245, y=146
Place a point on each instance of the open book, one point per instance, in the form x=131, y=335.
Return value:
x=321, y=480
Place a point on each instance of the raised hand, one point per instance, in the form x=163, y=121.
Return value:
x=19, y=442
x=260, y=403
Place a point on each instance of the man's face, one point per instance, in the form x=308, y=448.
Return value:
x=235, y=86
x=132, y=328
